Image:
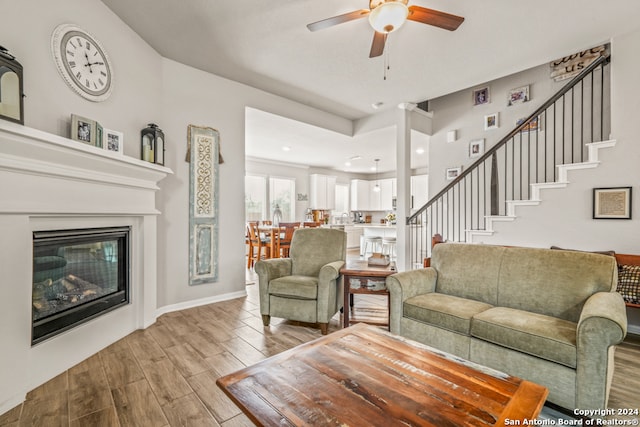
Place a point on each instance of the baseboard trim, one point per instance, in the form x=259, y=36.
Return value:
x=198, y=302
x=633, y=329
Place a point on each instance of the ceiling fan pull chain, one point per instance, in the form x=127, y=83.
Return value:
x=387, y=67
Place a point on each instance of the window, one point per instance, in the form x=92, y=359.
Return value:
x=260, y=200
x=255, y=198
x=282, y=193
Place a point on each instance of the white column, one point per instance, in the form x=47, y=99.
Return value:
x=403, y=175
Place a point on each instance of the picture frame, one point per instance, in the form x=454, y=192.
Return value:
x=113, y=141
x=491, y=121
x=612, y=203
x=518, y=95
x=481, y=96
x=453, y=173
x=476, y=148
x=84, y=130
x=533, y=125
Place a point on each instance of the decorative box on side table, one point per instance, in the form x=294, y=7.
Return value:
x=361, y=278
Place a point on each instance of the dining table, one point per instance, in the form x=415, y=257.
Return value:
x=272, y=234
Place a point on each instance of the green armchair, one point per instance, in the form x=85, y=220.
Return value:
x=306, y=286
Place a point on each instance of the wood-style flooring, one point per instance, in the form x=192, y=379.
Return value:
x=166, y=374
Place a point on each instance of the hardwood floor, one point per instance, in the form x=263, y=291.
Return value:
x=165, y=375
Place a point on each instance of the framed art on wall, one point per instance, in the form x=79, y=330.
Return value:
x=481, y=96
x=518, y=95
x=453, y=173
x=491, y=121
x=612, y=203
x=476, y=148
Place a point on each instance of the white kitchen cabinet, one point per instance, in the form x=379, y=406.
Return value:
x=386, y=194
x=419, y=191
x=322, y=192
x=364, y=198
x=360, y=195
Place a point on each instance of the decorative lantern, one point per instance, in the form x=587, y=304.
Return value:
x=152, y=149
x=11, y=87
x=277, y=216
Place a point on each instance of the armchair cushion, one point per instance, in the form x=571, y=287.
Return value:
x=303, y=287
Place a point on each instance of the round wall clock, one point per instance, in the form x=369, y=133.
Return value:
x=82, y=62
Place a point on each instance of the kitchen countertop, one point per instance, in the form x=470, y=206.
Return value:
x=374, y=226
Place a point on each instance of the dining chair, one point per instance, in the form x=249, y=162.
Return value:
x=285, y=238
x=256, y=242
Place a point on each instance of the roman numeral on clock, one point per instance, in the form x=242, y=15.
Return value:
x=72, y=64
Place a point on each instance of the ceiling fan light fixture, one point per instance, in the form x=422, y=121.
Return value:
x=389, y=16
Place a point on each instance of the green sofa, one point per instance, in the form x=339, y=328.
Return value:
x=551, y=317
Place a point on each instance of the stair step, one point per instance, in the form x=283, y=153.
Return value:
x=511, y=205
x=536, y=187
x=564, y=169
x=594, y=147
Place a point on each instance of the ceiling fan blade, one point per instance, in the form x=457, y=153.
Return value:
x=330, y=22
x=435, y=18
x=377, y=46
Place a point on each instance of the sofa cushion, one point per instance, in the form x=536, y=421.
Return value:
x=553, y=283
x=303, y=287
x=445, y=311
x=543, y=336
x=468, y=271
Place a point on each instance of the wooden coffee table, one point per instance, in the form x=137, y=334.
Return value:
x=365, y=376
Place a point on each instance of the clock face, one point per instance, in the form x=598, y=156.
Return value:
x=82, y=62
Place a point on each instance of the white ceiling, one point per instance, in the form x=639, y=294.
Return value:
x=265, y=44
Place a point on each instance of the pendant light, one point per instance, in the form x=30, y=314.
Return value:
x=377, y=186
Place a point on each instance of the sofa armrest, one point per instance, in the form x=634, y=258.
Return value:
x=606, y=309
x=268, y=270
x=602, y=325
x=405, y=285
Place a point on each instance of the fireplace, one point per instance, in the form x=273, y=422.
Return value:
x=77, y=275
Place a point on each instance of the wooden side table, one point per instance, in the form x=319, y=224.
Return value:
x=359, y=272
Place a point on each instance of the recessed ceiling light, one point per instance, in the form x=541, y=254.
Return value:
x=420, y=150
x=347, y=163
x=286, y=148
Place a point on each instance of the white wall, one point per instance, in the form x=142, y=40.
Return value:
x=457, y=112
x=26, y=31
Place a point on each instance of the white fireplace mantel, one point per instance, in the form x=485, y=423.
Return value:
x=48, y=182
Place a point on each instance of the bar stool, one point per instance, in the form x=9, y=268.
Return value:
x=375, y=241
x=389, y=245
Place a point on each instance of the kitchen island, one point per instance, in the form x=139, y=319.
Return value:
x=380, y=230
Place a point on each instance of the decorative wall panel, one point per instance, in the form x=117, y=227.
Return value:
x=204, y=147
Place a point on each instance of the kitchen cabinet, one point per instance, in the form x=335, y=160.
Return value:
x=419, y=191
x=364, y=198
x=322, y=192
x=360, y=195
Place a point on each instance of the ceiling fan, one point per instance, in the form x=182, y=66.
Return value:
x=386, y=16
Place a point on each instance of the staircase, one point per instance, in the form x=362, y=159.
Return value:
x=566, y=133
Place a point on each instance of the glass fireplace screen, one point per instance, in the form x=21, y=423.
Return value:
x=77, y=275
